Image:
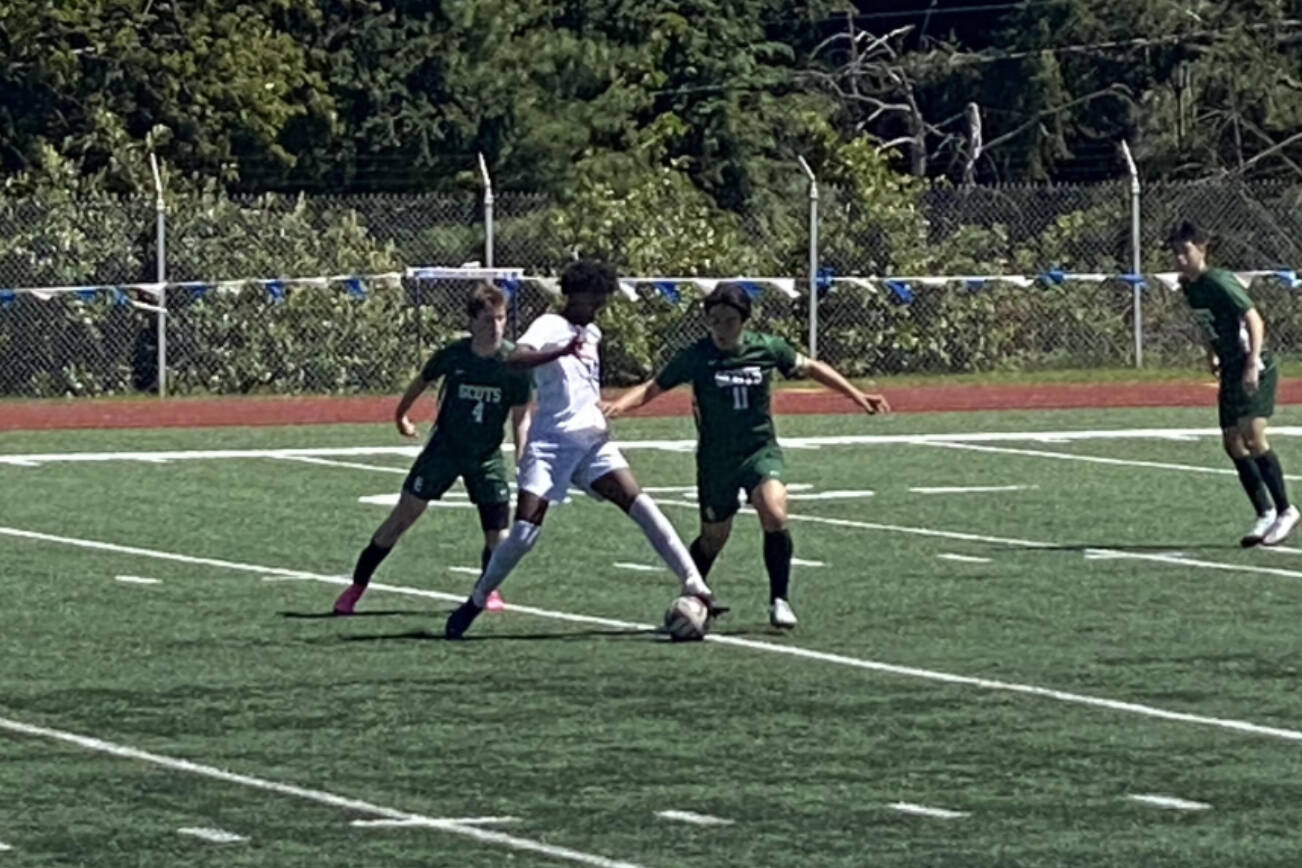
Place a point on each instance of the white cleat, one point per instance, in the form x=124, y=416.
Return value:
x=781, y=615
x=1282, y=527
x=1264, y=523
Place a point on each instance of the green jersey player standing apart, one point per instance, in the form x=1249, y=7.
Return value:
x=479, y=391
x=1235, y=336
x=730, y=373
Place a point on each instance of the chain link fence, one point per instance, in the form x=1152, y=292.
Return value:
x=362, y=327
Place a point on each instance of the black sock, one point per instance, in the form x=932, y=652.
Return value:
x=1250, y=478
x=700, y=558
x=777, y=560
x=1273, y=475
x=484, y=557
x=369, y=559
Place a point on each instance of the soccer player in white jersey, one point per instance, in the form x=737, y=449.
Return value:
x=569, y=442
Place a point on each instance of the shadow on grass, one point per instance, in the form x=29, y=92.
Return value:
x=381, y=613
x=432, y=635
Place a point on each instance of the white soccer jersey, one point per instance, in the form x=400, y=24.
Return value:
x=569, y=387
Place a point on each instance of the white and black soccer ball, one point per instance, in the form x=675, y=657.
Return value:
x=687, y=620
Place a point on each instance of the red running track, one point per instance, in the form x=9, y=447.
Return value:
x=212, y=412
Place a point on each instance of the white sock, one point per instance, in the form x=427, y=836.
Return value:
x=665, y=541
x=508, y=553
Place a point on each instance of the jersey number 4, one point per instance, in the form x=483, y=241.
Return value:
x=478, y=412
x=740, y=398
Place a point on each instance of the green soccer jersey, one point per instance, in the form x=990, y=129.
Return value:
x=1219, y=303
x=731, y=391
x=475, y=397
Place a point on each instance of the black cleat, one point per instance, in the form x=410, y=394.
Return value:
x=714, y=607
x=461, y=619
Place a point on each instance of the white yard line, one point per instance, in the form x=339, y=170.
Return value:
x=460, y=821
x=217, y=836
x=1241, y=726
x=643, y=568
x=829, y=495
x=970, y=489
x=486, y=836
x=1090, y=459
x=962, y=559
x=137, y=580
x=4, y=847
x=1171, y=802
x=689, y=445
x=454, y=500
x=351, y=465
x=924, y=811
x=801, y=562
x=694, y=818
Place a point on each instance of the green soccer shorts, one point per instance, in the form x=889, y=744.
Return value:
x=436, y=468
x=718, y=481
x=1235, y=405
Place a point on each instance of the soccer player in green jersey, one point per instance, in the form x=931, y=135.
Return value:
x=1235, y=336
x=478, y=392
x=738, y=448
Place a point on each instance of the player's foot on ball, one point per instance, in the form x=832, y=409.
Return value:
x=1259, y=530
x=781, y=615
x=461, y=619
x=347, y=601
x=1282, y=527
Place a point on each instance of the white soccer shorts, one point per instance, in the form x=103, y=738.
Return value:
x=549, y=467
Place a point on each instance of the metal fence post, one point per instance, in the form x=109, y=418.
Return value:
x=813, y=258
x=160, y=224
x=488, y=212
x=1135, y=254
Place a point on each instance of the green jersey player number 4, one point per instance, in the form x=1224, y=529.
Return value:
x=731, y=372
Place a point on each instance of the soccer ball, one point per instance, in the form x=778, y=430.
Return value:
x=687, y=620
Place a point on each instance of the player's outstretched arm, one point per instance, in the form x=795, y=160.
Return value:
x=632, y=399
x=521, y=416
x=823, y=373
x=414, y=390
x=523, y=357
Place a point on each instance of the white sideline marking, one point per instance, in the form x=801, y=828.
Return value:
x=801, y=562
x=971, y=489
x=460, y=821
x=37, y=459
x=790, y=650
x=1284, y=550
x=217, y=836
x=137, y=580
x=469, y=571
x=4, y=847
x=487, y=836
x=693, y=818
x=1171, y=802
x=962, y=559
x=1091, y=459
x=625, y=565
x=307, y=459
x=454, y=501
x=924, y=811
x=828, y=495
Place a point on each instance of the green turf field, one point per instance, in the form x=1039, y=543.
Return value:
x=1028, y=658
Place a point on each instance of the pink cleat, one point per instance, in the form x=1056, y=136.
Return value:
x=494, y=603
x=348, y=599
